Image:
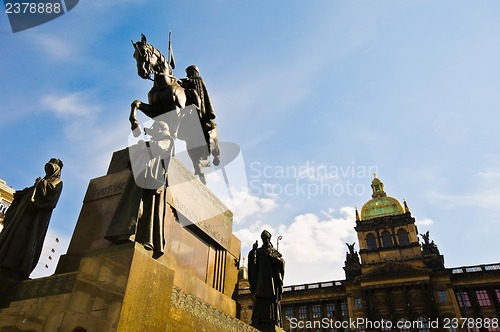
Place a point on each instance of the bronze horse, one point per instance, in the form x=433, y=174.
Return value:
x=167, y=102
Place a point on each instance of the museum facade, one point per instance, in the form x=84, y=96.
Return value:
x=6, y=197
x=394, y=283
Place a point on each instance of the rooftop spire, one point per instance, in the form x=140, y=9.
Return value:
x=406, y=206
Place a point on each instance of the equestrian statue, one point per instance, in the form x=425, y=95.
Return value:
x=184, y=105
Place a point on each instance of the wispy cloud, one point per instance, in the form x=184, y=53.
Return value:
x=55, y=46
x=488, y=198
x=75, y=104
x=489, y=174
x=246, y=206
x=424, y=222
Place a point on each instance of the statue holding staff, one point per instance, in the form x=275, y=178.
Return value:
x=27, y=221
x=266, y=268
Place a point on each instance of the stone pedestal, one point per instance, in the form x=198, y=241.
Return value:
x=271, y=329
x=103, y=287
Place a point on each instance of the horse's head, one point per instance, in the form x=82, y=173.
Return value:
x=149, y=59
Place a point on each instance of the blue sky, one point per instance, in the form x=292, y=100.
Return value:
x=317, y=94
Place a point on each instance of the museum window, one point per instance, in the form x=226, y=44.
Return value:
x=343, y=309
x=357, y=303
x=423, y=324
x=442, y=296
x=482, y=298
x=463, y=299
x=289, y=311
x=403, y=237
x=330, y=309
x=387, y=239
x=371, y=242
x=316, y=311
x=497, y=292
x=302, y=312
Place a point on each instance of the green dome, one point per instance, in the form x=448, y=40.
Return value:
x=380, y=205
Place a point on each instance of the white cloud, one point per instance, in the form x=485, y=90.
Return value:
x=424, y=222
x=489, y=174
x=245, y=205
x=55, y=47
x=67, y=105
x=313, y=247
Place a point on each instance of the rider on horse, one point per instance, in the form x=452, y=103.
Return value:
x=197, y=94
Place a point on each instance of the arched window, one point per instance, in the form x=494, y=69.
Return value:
x=371, y=242
x=387, y=239
x=403, y=237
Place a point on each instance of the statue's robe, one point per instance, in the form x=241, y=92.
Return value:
x=197, y=95
x=25, y=227
x=266, y=269
x=139, y=216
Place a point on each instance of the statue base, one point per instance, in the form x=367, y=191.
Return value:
x=100, y=286
x=120, y=288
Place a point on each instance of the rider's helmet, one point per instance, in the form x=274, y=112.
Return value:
x=192, y=68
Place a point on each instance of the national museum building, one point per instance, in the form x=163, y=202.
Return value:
x=6, y=197
x=394, y=283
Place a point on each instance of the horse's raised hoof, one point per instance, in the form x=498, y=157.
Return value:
x=216, y=160
x=135, y=104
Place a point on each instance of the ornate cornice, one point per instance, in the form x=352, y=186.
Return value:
x=201, y=310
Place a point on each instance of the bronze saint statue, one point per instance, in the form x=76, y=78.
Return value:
x=27, y=221
x=140, y=213
x=266, y=269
